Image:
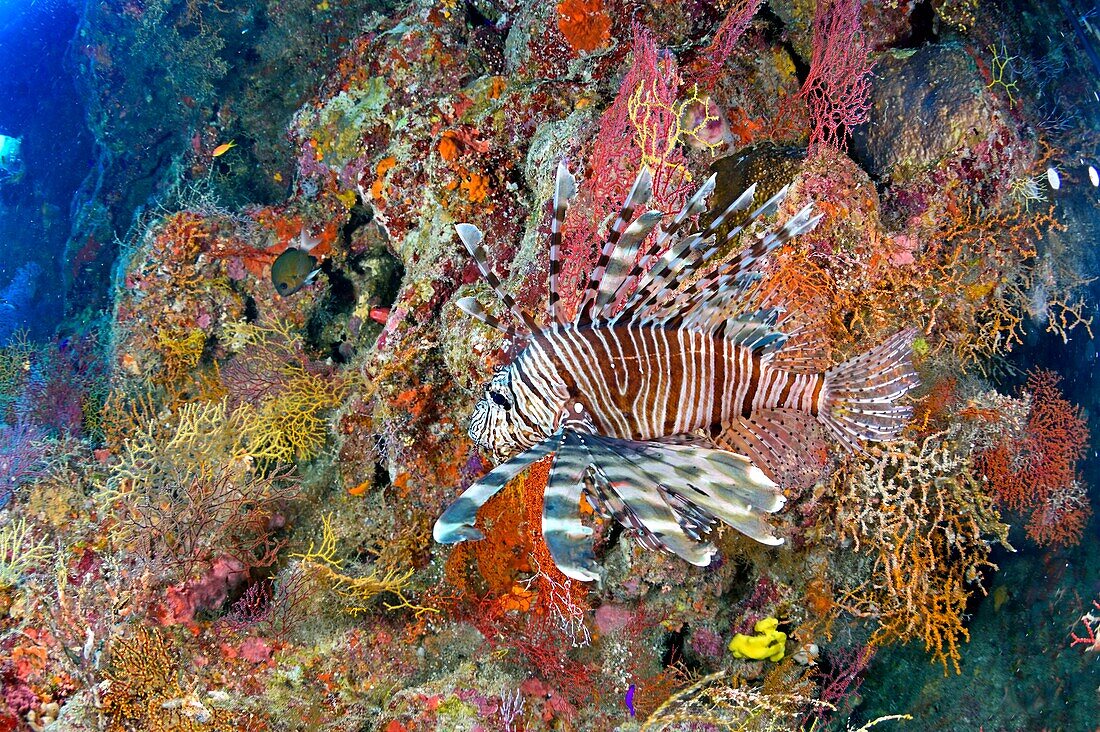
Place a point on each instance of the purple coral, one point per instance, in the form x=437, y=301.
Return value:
x=21, y=455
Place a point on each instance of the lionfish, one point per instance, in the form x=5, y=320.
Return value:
x=665, y=394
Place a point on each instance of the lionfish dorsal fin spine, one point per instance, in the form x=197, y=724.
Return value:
x=697, y=204
x=684, y=299
x=626, y=251
x=639, y=195
x=474, y=309
x=654, y=283
x=565, y=189
x=472, y=237
x=661, y=277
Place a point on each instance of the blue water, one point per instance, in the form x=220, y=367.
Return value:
x=38, y=103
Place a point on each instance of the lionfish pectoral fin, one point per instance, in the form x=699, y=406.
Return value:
x=457, y=522
x=671, y=496
x=565, y=535
x=624, y=473
x=720, y=484
x=860, y=396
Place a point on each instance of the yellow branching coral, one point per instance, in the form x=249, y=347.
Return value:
x=1001, y=71
x=125, y=416
x=661, y=126
x=199, y=437
x=357, y=592
x=180, y=353
x=918, y=507
x=144, y=690
x=19, y=552
x=281, y=420
x=288, y=425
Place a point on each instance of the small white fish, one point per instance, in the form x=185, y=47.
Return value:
x=1094, y=177
x=1054, y=179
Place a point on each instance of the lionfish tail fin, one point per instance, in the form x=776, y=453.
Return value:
x=860, y=396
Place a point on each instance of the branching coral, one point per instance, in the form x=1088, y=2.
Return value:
x=19, y=552
x=145, y=692
x=288, y=426
x=919, y=508
x=199, y=437
x=22, y=456
x=224, y=513
x=357, y=593
x=15, y=364
x=839, y=82
x=721, y=703
x=969, y=284
x=725, y=39
x=1035, y=471
x=278, y=400
x=514, y=547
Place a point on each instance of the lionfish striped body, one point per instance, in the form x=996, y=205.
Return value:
x=665, y=395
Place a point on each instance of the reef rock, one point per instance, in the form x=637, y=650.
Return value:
x=924, y=104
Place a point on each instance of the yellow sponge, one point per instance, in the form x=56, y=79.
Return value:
x=768, y=643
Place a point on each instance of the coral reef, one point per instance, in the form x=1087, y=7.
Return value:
x=216, y=510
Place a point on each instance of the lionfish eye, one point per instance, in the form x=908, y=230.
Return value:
x=499, y=399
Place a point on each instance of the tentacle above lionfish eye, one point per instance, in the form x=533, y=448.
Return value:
x=500, y=400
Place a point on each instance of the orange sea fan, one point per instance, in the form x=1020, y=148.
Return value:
x=585, y=24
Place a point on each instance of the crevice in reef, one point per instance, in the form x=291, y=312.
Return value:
x=923, y=26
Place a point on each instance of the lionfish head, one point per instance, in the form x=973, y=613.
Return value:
x=500, y=423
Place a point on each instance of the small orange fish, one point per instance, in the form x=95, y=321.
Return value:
x=223, y=148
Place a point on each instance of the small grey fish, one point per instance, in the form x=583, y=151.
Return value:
x=296, y=267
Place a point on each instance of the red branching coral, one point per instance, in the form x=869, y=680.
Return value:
x=725, y=39
x=585, y=24
x=1036, y=473
x=836, y=89
x=640, y=127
